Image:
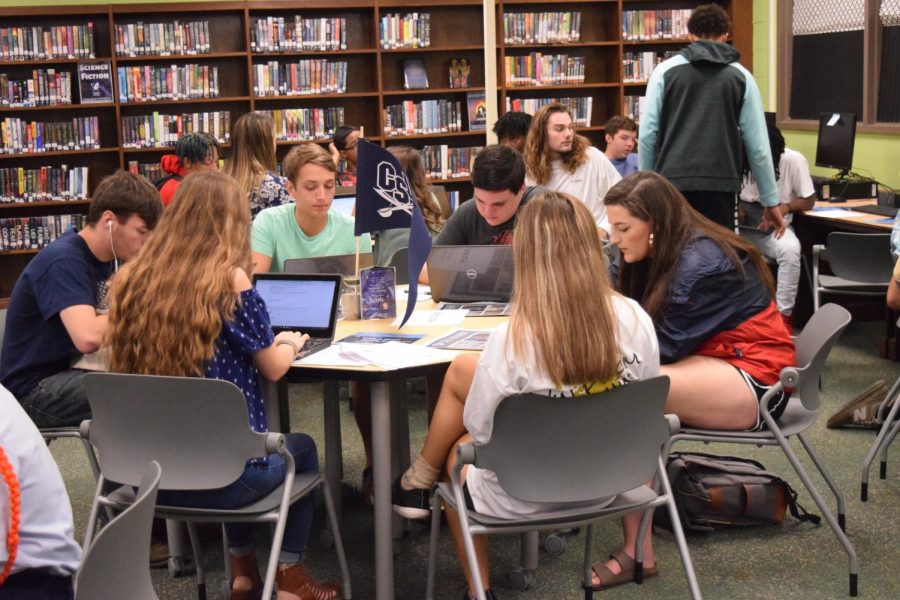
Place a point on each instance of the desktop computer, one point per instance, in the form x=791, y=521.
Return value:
x=848, y=189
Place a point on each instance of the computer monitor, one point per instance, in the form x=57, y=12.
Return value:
x=837, y=134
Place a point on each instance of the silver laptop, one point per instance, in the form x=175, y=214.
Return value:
x=305, y=303
x=471, y=273
x=345, y=205
x=343, y=264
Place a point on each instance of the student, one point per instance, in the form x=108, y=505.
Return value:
x=557, y=158
x=512, y=129
x=54, y=311
x=307, y=227
x=202, y=253
x=387, y=242
x=47, y=554
x=560, y=292
x=621, y=137
x=253, y=164
x=795, y=194
x=722, y=341
x=343, y=148
x=193, y=152
x=703, y=112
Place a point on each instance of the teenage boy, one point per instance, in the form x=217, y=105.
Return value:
x=54, y=311
x=559, y=159
x=621, y=137
x=512, y=129
x=703, y=113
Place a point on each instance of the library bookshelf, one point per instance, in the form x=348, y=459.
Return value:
x=244, y=50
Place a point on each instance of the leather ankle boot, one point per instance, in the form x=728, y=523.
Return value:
x=245, y=566
x=295, y=580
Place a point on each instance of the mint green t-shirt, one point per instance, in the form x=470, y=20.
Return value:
x=275, y=233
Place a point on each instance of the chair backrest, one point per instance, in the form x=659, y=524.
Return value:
x=117, y=563
x=2, y=328
x=864, y=257
x=197, y=429
x=814, y=343
x=400, y=260
x=567, y=449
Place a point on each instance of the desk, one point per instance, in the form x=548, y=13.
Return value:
x=384, y=388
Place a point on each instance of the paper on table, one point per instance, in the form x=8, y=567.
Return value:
x=838, y=213
x=394, y=355
x=331, y=357
x=435, y=317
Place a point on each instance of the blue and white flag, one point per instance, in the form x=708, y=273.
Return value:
x=385, y=200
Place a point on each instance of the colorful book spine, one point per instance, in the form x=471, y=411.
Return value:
x=162, y=39
x=149, y=83
x=444, y=162
x=305, y=124
x=305, y=77
x=646, y=25
x=33, y=233
x=581, y=108
x=412, y=30
x=47, y=42
x=162, y=130
x=18, y=136
x=423, y=118
x=560, y=27
x=49, y=183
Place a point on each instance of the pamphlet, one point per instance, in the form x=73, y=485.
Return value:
x=478, y=309
x=377, y=296
x=463, y=339
x=95, y=82
x=381, y=338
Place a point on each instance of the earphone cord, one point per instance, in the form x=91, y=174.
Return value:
x=113, y=248
x=15, y=514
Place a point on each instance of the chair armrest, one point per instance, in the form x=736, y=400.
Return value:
x=790, y=377
x=85, y=429
x=274, y=443
x=465, y=454
x=817, y=249
x=674, y=423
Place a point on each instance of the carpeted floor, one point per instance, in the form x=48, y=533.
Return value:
x=793, y=560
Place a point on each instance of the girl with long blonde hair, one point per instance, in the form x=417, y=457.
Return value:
x=253, y=162
x=569, y=334
x=185, y=307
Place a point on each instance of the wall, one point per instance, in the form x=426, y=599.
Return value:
x=874, y=155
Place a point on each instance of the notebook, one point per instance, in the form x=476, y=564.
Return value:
x=471, y=273
x=306, y=303
x=343, y=264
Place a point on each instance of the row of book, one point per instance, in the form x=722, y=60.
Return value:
x=47, y=42
x=316, y=76
x=162, y=39
x=156, y=130
x=559, y=27
x=412, y=30
x=634, y=106
x=299, y=124
x=21, y=136
x=152, y=171
x=544, y=69
x=149, y=83
x=280, y=34
x=444, y=162
x=45, y=87
x=19, y=185
x=667, y=24
x=424, y=117
x=24, y=233
x=638, y=66
x=581, y=108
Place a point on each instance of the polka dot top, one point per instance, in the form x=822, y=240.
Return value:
x=248, y=332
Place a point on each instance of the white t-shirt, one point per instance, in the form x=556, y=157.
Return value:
x=589, y=183
x=46, y=533
x=501, y=374
x=794, y=181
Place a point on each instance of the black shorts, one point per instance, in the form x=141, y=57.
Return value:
x=777, y=403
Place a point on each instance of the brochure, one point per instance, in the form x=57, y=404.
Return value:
x=463, y=339
x=478, y=309
x=381, y=338
x=95, y=82
x=377, y=296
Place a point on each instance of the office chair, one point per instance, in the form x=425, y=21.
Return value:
x=861, y=262
x=890, y=427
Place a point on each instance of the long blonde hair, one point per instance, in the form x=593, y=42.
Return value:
x=537, y=162
x=562, y=297
x=411, y=161
x=167, y=304
x=252, y=151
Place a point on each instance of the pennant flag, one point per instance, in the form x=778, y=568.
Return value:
x=385, y=200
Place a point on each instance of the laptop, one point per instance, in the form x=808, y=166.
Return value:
x=344, y=204
x=306, y=303
x=471, y=273
x=343, y=264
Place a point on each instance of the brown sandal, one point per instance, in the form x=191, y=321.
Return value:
x=296, y=580
x=245, y=566
x=608, y=579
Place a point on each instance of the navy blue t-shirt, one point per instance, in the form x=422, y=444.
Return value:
x=36, y=344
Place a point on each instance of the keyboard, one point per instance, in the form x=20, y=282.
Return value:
x=877, y=209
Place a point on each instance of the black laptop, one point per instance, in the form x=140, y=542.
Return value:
x=344, y=264
x=471, y=273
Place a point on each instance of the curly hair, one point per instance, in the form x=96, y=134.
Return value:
x=167, y=304
x=537, y=161
x=709, y=21
x=411, y=161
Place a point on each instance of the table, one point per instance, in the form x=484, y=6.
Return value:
x=387, y=428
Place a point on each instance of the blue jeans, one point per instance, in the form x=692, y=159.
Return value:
x=58, y=400
x=255, y=482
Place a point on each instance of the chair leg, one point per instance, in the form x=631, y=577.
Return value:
x=882, y=472
x=888, y=422
x=198, y=559
x=437, y=502
x=838, y=494
x=588, y=572
x=338, y=542
x=680, y=540
x=469, y=544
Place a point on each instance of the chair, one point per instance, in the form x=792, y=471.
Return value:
x=813, y=345
x=400, y=260
x=197, y=429
x=115, y=566
x=440, y=192
x=598, y=446
x=861, y=262
x=890, y=426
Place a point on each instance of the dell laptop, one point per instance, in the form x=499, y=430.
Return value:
x=471, y=273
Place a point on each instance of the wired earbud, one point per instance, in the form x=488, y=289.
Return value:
x=112, y=246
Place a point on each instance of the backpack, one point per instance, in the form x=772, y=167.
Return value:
x=712, y=492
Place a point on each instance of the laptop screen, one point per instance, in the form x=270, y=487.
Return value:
x=305, y=303
x=344, y=204
x=471, y=273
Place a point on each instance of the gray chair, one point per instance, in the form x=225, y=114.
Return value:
x=198, y=430
x=861, y=262
x=115, y=565
x=890, y=427
x=813, y=346
x=400, y=260
x=598, y=446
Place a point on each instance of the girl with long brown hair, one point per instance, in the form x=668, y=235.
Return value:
x=561, y=292
x=253, y=164
x=185, y=306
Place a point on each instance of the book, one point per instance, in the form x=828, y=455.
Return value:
x=477, y=111
x=95, y=82
x=414, y=75
x=459, y=73
x=377, y=300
